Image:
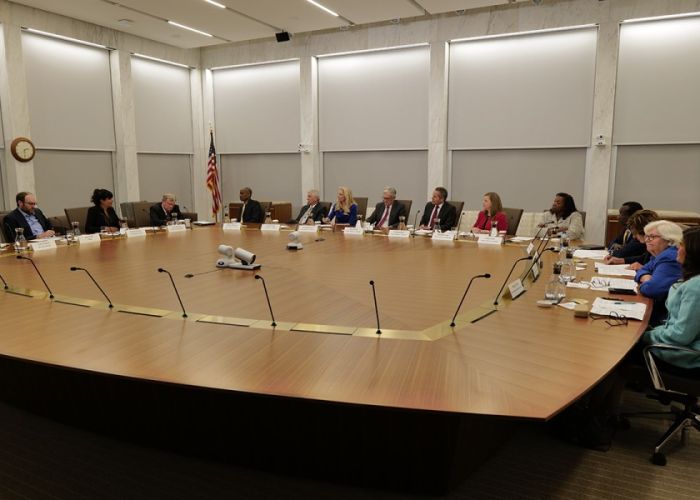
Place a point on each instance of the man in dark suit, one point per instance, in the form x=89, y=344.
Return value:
x=29, y=218
x=251, y=211
x=386, y=214
x=312, y=211
x=438, y=208
x=164, y=211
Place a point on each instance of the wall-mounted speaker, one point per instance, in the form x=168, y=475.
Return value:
x=282, y=36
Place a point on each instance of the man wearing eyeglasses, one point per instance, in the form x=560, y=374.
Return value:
x=28, y=217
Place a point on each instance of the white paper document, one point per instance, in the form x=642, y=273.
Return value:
x=614, y=270
x=590, y=254
x=628, y=309
x=521, y=238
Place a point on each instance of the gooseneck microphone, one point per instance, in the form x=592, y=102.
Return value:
x=537, y=259
x=258, y=277
x=459, y=223
x=487, y=275
x=4, y=282
x=415, y=222
x=498, y=295
x=376, y=309
x=22, y=257
x=94, y=281
x=161, y=270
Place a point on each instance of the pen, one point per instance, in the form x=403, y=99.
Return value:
x=618, y=301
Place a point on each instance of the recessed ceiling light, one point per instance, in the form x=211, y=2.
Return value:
x=189, y=28
x=216, y=4
x=323, y=8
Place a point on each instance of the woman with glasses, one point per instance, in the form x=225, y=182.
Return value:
x=663, y=270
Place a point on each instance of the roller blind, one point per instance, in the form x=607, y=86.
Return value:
x=526, y=91
x=257, y=108
x=658, y=79
x=162, y=107
x=374, y=100
x=161, y=173
x=70, y=94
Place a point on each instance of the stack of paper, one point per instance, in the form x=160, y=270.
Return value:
x=630, y=310
x=614, y=270
x=590, y=254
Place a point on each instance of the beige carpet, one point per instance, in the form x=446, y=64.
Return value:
x=40, y=459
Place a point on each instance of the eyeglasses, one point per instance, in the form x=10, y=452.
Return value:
x=614, y=319
x=651, y=237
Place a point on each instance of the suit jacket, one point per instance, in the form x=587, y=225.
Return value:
x=317, y=213
x=15, y=219
x=253, y=212
x=96, y=219
x=159, y=216
x=397, y=210
x=447, y=215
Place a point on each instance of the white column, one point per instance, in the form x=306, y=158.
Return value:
x=126, y=160
x=310, y=160
x=438, y=172
x=15, y=113
x=599, y=158
x=200, y=142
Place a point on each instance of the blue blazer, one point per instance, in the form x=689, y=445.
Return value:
x=665, y=271
x=343, y=218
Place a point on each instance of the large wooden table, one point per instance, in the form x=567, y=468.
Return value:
x=322, y=393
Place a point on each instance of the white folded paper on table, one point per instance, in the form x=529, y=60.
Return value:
x=628, y=309
x=614, y=270
x=602, y=284
x=521, y=238
x=590, y=254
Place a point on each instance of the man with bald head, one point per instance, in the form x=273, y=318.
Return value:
x=28, y=217
x=251, y=211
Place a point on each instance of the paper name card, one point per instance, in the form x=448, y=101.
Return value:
x=135, y=233
x=530, y=248
x=353, y=230
x=399, y=233
x=232, y=226
x=39, y=245
x=308, y=229
x=176, y=228
x=535, y=270
x=89, y=238
x=516, y=288
x=270, y=227
x=446, y=236
x=485, y=239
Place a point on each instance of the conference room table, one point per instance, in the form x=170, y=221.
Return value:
x=321, y=393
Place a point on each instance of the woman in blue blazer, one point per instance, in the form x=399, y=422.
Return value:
x=344, y=210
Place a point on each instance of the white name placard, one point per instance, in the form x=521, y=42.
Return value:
x=176, y=228
x=135, y=233
x=39, y=245
x=308, y=229
x=535, y=269
x=485, y=239
x=446, y=236
x=232, y=226
x=399, y=233
x=89, y=238
x=270, y=227
x=354, y=230
x=530, y=248
x=516, y=288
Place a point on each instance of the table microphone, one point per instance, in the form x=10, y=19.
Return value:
x=258, y=277
x=498, y=295
x=95, y=282
x=4, y=282
x=487, y=275
x=161, y=270
x=376, y=309
x=459, y=223
x=536, y=260
x=39, y=273
x=415, y=222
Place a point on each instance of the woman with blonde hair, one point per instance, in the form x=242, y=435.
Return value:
x=492, y=211
x=344, y=210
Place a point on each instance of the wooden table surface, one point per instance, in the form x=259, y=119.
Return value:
x=521, y=361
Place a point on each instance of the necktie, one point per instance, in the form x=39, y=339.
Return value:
x=306, y=215
x=384, y=216
x=436, y=209
x=242, y=211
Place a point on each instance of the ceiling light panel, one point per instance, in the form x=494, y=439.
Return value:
x=295, y=16
x=441, y=6
x=372, y=11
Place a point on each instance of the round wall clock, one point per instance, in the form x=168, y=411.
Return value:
x=22, y=149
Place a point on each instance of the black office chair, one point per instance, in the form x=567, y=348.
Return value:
x=686, y=390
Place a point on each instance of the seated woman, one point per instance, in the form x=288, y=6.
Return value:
x=682, y=328
x=663, y=270
x=625, y=244
x=102, y=214
x=635, y=225
x=344, y=210
x=492, y=212
x=563, y=217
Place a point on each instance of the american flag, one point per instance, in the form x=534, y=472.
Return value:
x=213, y=178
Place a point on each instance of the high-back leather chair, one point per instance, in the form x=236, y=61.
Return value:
x=459, y=205
x=361, y=202
x=513, y=215
x=78, y=215
x=407, y=205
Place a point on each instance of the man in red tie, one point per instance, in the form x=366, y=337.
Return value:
x=438, y=209
x=387, y=212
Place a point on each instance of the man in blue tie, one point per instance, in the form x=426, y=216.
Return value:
x=28, y=217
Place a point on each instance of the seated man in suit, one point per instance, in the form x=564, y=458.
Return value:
x=29, y=218
x=312, y=211
x=438, y=209
x=164, y=211
x=251, y=211
x=386, y=214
